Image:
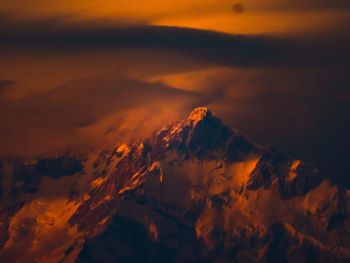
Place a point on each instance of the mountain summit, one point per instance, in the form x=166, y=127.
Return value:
x=194, y=191
x=199, y=114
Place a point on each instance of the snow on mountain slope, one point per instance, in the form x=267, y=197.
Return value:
x=194, y=191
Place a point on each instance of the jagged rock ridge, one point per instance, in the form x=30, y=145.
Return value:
x=200, y=192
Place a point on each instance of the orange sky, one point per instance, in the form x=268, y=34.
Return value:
x=269, y=16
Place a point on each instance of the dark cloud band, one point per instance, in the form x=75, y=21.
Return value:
x=216, y=47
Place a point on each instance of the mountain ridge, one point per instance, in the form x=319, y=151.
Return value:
x=199, y=184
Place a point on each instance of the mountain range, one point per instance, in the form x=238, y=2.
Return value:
x=193, y=191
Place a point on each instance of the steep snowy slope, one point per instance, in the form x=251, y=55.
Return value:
x=194, y=191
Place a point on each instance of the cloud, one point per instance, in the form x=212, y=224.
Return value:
x=214, y=47
x=281, y=90
x=61, y=117
x=311, y=5
x=238, y=8
x=4, y=84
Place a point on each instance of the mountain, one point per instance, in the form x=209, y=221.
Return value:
x=194, y=191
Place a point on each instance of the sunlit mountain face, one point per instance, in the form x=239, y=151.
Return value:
x=174, y=131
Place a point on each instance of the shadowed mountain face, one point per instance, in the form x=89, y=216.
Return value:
x=194, y=191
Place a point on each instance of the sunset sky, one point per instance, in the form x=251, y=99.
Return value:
x=89, y=73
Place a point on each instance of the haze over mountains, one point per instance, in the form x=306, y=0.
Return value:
x=82, y=74
x=193, y=191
